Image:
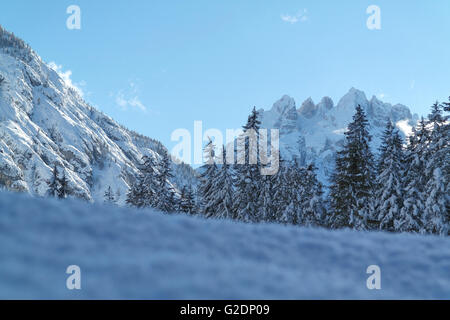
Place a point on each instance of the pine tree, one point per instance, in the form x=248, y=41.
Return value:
x=294, y=189
x=143, y=192
x=222, y=188
x=53, y=184
x=283, y=208
x=446, y=168
x=437, y=172
x=206, y=189
x=187, y=201
x=180, y=206
x=248, y=172
x=446, y=106
x=266, y=205
x=389, y=186
x=63, y=187
x=352, y=181
x=413, y=181
x=109, y=196
x=136, y=193
x=165, y=194
x=311, y=197
x=436, y=205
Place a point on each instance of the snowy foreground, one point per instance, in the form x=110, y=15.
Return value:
x=129, y=254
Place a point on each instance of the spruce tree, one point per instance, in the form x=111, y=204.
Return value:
x=389, y=185
x=187, y=200
x=352, y=182
x=222, y=188
x=311, y=197
x=63, y=187
x=180, y=207
x=136, y=193
x=437, y=173
x=164, y=194
x=283, y=207
x=294, y=189
x=446, y=106
x=206, y=189
x=248, y=172
x=53, y=183
x=109, y=197
x=413, y=180
x=266, y=205
x=143, y=192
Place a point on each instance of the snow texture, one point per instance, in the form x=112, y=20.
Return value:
x=131, y=254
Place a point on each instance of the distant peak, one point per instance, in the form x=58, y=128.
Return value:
x=308, y=108
x=285, y=103
x=353, y=98
x=326, y=103
x=354, y=90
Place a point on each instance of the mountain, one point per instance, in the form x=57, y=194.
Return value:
x=313, y=132
x=45, y=122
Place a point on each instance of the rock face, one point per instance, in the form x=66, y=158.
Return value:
x=287, y=119
x=317, y=131
x=44, y=122
x=308, y=109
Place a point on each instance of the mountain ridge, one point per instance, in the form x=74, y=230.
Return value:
x=45, y=123
x=314, y=132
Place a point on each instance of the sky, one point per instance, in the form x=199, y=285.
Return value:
x=157, y=66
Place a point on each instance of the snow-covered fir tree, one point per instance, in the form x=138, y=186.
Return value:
x=267, y=211
x=248, y=172
x=222, y=188
x=165, y=199
x=143, y=192
x=446, y=106
x=311, y=197
x=412, y=208
x=437, y=190
x=207, y=188
x=389, y=185
x=294, y=188
x=53, y=183
x=63, y=187
x=109, y=197
x=352, y=182
x=284, y=208
x=187, y=201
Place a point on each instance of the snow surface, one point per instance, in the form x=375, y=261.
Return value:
x=131, y=254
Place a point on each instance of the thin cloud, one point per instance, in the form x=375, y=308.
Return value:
x=129, y=98
x=301, y=16
x=126, y=103
x=66, y=77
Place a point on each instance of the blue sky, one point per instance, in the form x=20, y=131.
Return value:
x=156, y=66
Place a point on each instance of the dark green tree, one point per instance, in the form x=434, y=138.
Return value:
x=353, y=180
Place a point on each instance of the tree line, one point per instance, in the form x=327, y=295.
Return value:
x=403, y=189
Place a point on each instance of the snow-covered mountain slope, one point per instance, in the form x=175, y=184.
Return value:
x=131, y=254
x=43, y=122
x=314, y=132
